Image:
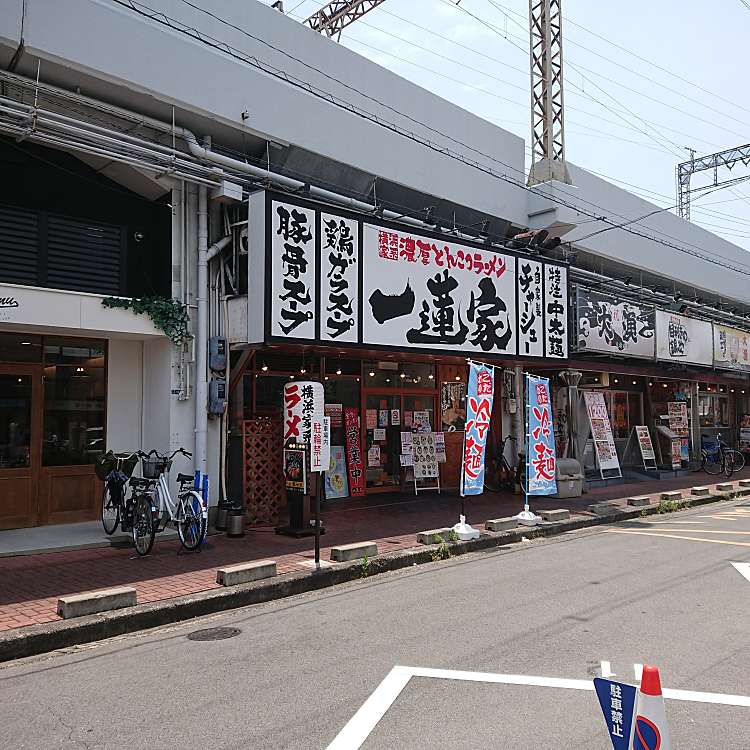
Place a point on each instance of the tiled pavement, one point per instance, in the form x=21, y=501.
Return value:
x=30, y=585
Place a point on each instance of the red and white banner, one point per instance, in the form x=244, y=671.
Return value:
x=354, y=463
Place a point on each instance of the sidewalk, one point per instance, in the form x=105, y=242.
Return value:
x=31, y=584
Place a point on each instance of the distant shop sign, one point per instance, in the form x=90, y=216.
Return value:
x=683, y=339
x=605, y=324
x=336, y=277
x=731, y=348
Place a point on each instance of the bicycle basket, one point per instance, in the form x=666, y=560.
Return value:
x=127, y=463
x=104, y=464
x=153, y=468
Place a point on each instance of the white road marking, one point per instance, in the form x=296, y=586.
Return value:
x=638, y=671
x=606, y=670
x=658, y=535
x=743, y=569
x=657, y=523
x=360, y=726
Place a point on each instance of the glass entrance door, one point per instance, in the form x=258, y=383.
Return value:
x=19, y=453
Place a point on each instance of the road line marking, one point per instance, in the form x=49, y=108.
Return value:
x=638, y=671
x=709, y=531
x=360, y=726
x=657, y=535
x=743, y=569
x=657, y=523
x=606, y=670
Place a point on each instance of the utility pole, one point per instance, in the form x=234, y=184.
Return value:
x=547, y=111
x=334, y=17
x=728, y=158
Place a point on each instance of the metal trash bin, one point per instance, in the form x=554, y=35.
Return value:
x=569, y=478
x=222, y=516
x=236, y=522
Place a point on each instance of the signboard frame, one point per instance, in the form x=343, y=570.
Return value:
x=602, y=428
x=260, y=259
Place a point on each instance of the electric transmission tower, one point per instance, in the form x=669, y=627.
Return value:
x=547, y=111
x=728, y=158
x=334, y=17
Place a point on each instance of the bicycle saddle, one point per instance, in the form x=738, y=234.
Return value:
x=182, y=478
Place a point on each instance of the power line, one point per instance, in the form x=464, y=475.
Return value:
x=162, y=18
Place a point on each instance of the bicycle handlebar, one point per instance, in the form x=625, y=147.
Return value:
x=164, y=456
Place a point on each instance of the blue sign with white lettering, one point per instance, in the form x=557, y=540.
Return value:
x=617, y=700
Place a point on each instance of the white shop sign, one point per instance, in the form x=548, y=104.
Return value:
x=682, y=339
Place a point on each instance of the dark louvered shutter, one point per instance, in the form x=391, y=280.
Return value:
x=19, y=231
x=83, y=256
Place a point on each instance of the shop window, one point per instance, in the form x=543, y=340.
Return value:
x=713, y=410
x=74, y=402
x=340, y=394
x=399, y=375
x=20, y=347
x=269, y=392
x=15, y=421
x=342, y=366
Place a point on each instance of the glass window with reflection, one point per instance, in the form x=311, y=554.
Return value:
x=74, y=401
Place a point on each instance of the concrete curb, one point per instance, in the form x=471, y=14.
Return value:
x=39, y=639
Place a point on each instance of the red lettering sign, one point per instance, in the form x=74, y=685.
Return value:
x=354, y=464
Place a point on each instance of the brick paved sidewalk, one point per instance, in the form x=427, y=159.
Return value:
x=31, y=584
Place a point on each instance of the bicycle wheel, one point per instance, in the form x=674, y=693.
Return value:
x=110, y=512
x=713, y=464
x=143, y=525
x=191, y=526
x=728, y=464
x=739, y=460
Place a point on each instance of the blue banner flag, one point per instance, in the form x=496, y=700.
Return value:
x=617, y=700
x=541, y=462
x=478, y=412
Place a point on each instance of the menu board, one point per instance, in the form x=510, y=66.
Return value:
x=424, y=455
x=678, y=418
x=644, y=443
x=601, y=431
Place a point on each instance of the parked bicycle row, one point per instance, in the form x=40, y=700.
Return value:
x=144, y=506
x=722, y=460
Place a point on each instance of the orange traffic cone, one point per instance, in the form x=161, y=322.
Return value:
x=650, y=730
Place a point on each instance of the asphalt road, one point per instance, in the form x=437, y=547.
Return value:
x=660, y=591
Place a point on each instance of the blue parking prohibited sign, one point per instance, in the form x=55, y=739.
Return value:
x=617, y=700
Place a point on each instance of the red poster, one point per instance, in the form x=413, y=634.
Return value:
x=354, y=463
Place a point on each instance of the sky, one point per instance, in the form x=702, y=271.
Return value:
x=642, y=86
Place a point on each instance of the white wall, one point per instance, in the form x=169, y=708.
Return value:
x=124, y=395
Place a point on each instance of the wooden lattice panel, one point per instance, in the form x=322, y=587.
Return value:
x=263, y=475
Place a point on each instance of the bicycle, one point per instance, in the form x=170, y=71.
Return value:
x=723, y=460
x=188, y=515
x=508, y=478
x=118, y=508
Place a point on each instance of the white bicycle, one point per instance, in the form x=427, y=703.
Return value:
x=189, y=515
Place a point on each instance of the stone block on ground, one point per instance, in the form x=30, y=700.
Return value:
x=668, y=496
x=560, y=514
x=699, y=491
x=233, y=575
x=744, y=482
x=725, y=487
x=640, y=501
x=346, y=552
x=430, y=537
x=603, y=509
x=91, y=602
x=501, y=524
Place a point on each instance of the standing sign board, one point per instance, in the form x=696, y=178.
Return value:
x=336, y=483
x=617, y=700
x=606, y=324
x=682, y=339
x=478, y=413
x=601, y=431
x=541, y=469
x=646, y=447
x=318, y=276
x=678, y=418
x=354, y=462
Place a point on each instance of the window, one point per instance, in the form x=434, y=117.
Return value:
x=74, y=401
x=399, y=375
x=15, y=421
x=20, y=347
x=713, y=410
